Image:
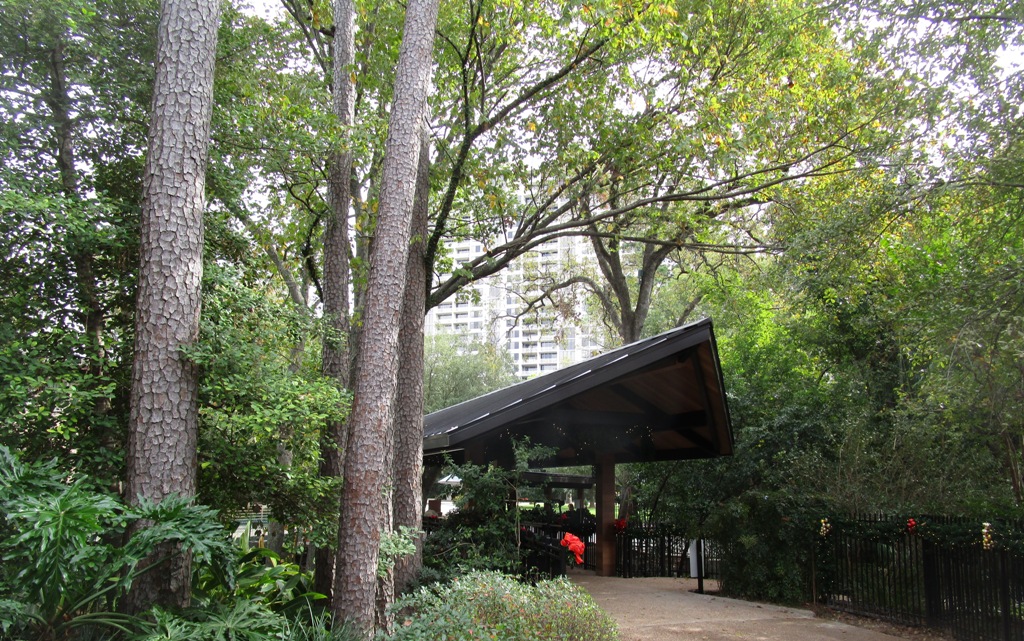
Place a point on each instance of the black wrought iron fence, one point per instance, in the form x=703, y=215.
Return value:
x=659, y=551
x=956, y=575
x=651, y=552
x=551, y=535
x=640, y=554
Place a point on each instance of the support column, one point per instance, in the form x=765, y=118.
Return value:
x=604, y=471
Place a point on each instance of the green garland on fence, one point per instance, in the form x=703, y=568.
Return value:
x=994, y=535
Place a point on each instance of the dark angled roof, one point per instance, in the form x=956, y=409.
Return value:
x=657, y=399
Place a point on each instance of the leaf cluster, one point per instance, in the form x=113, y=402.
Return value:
x=489, y=605
x=261, y=395
x=67, y=560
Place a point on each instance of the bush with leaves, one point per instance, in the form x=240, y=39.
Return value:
x=480, y=534
x=240, y=620
x=766, y=540
x=262, y=598
x=66, y=562
x=494, y=606
x=263, y=407
x=261, y=577
x=484, y=531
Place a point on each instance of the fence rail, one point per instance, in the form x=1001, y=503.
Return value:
x=661, y=553
x=935, y=571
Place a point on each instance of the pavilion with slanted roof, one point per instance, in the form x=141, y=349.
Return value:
x=659, y=399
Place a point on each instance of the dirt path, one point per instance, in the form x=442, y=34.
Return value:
x=662, y=609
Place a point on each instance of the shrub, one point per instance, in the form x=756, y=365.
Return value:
x=65, y=568
x=262, y=577
x=239, y=620
x=64, y=564
x=766, y=540
x=494, y=606
x=483, y=533
x=470, y=540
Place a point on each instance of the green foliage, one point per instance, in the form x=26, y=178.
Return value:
x=765, y=544
x=242, y=620
x=259, y=576
x=58, y=385
x=261, y=396
x=67, y=566
x=488, y=605
x=395, y=545
x=456, y=370
x=920, y=314
x=66, y=562
x=483, y=533
x=71, y=140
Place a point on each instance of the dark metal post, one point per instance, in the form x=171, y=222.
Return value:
x=814, y=572
x=700, y=565
x=1004, y=591
x=932, y=591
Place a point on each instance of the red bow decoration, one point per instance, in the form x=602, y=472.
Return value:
x=575, y=545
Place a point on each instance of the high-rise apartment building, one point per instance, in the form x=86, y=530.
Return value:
x=492, y=310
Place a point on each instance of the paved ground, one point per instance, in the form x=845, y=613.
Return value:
x=668, y=610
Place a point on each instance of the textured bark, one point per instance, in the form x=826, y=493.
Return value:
x=163, y=419
x=408, y=503
x=336, y=277
x=366, y=501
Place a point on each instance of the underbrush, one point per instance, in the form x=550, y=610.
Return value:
x=67, y=567
x=493, y=606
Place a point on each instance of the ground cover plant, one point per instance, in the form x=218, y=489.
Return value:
x=66, y=568
x=495, y=606
x=66, y=563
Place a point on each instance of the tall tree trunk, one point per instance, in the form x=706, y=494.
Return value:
x=408, y=502
x=336, y=354
x=626, y=315
x=162, y=427
x=365, y=501
x=58, y=100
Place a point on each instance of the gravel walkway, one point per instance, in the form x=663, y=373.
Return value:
x=664, y=609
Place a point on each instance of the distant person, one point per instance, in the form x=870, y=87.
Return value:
x=574, y=520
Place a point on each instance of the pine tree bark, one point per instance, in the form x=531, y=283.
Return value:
x=336, y=277
x=162, y=428
x=408, y=502
x=366, y=502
